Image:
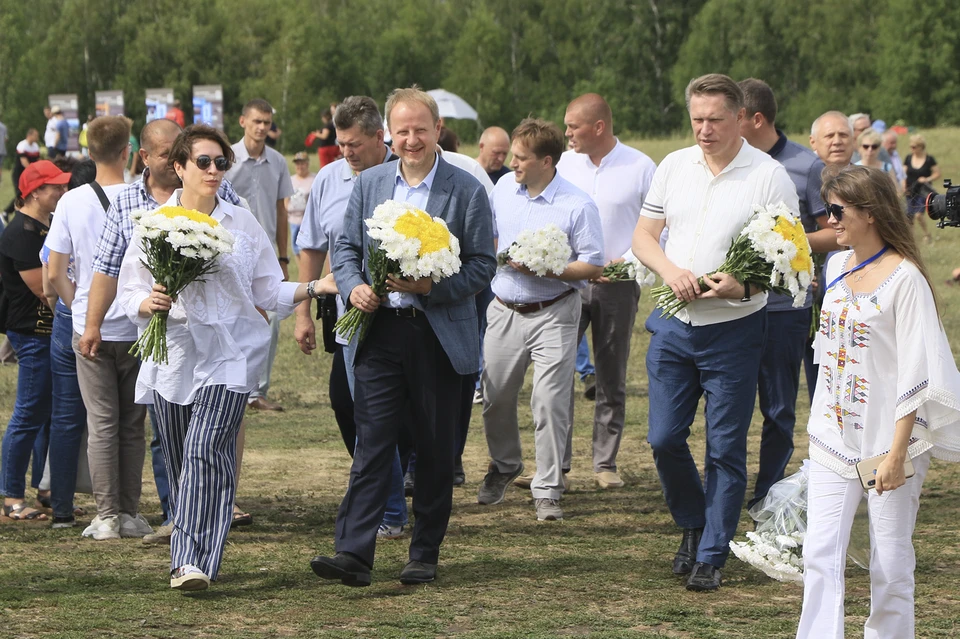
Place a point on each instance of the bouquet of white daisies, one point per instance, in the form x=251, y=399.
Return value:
x=406, y=240
x=542, y=250
x=180, y=246
x=771, y=253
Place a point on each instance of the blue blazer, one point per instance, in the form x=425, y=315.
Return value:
x=460, y=200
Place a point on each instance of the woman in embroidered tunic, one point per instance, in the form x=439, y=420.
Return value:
x=218, y=343
x=888, y=386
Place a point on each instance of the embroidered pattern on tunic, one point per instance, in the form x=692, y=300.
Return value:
x=846, y=390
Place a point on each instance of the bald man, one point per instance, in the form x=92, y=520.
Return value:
x=831, y=138
x=618, y=178
x=494, y=146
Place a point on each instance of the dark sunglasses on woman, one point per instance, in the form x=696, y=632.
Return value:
x=203, y=162
x=836, y=211
x=872, y=147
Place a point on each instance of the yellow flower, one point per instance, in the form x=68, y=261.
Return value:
x=792, y=230
x=433, y=236
x=174, y=212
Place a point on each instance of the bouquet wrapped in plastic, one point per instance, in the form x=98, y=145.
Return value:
x=180, y=246
x=408, y=241
x=771, y=253
x=776, y=546
x=542, y=250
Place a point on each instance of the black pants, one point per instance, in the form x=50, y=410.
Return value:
x=401, y=361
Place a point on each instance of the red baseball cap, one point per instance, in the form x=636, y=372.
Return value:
x=39, y=174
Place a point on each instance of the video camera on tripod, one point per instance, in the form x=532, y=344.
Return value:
x=945, y=209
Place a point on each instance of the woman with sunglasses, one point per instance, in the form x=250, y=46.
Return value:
x=29, y=324
x=889, y=388
x=922, y=172
x=869, y=145
x=218, y=342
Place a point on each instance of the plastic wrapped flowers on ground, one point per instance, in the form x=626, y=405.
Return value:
x=541, y=250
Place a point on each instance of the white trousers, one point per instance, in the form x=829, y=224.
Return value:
x=831, y=506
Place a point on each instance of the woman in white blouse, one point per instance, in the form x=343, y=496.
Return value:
x=217, y=343
x=888, y=387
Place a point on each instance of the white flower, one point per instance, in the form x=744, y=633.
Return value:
x=406, y=250
x=542, y=250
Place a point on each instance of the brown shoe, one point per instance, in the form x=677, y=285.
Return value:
x=609, y=479
x=262, y=403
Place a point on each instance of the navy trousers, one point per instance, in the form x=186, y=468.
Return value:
x=719, y=361
x=779, y=384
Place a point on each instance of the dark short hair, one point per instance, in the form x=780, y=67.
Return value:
x=543, y=138
x=716, y=84
x=183, y=146
x=257, y=104
x=107, y=137
x=448, y=140
x=758, y=98
x=83, y=172
x=358, y=110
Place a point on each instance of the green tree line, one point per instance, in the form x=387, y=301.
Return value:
x=897, y=59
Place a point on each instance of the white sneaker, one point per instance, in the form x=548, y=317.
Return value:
x=134, y=526
x=387, y=531
x=477, y=397
x=100, y=529
x=548, y=509
x=189, y=577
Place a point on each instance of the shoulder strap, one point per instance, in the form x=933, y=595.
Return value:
x=104, y=200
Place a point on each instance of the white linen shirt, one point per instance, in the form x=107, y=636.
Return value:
x=704, y=212
x=215, y=335
x=75, y=230
x=618, y=187
x=471, y=166
x=561, y=204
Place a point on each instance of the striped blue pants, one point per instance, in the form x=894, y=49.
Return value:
x=199, y=443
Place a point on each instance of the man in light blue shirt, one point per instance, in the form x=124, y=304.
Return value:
x=535, y=318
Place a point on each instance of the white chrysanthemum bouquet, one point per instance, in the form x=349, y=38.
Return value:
x=180, y=246
x=406, y=240
x=771, y=253
x=542, y=250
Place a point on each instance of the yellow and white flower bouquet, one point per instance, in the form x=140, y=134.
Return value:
x=406, y=241
x=180, y=246
x=771, y=253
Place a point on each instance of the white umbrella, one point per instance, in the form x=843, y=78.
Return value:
x=452, y=105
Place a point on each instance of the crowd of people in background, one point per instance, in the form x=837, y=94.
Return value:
x=75, y=294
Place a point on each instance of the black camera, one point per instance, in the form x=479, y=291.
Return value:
x=945, y=208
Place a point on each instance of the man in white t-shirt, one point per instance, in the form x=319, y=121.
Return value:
x=704, y=195
x=617, y=177
x=50, y=132
x=115, y=422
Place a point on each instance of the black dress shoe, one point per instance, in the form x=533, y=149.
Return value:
x=348, y=568
x=417, y=572
x=704, y=578
x=687, y=553
x=409, y=479
x=459, y=477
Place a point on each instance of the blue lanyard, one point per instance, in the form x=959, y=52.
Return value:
x=858, y=267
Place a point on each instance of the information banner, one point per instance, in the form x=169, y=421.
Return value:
x=208, y=105
x=68, y=104
x=109, y=103
x=158, y=101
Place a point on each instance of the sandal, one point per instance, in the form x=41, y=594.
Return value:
x=15, y=512
x=241, y=518
x=44, y=500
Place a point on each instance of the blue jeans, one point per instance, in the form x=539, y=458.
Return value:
x=294, y=232
x=685, y=362
x=31, y=411
x=778, y=387
x=68, y=417
x=584, y=367
x=159, y=466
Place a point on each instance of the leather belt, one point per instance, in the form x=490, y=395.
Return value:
x=532, y=307
x=405, y=311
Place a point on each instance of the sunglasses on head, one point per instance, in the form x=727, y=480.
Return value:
x=203, y=162
x=872, y=147
x=836, y=211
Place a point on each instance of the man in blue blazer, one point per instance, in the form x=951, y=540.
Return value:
x=423, y=340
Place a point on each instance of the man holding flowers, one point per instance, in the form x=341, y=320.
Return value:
x=704, y=195
x=536, y=314
x=421, y=342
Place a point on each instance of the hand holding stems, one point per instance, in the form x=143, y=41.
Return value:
x=683, y=283
x=156, y=302
x=606, y=280
x=418, y=286
x=723, y=286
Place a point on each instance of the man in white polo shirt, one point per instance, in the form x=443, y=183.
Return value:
x=617, y=177
x=260, y=175
x=704, y=195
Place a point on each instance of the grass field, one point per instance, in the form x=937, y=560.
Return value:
x=604, y=572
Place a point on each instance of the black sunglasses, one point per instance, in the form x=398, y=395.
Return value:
x=836, y=211
x=203, y=162
x=873, y=147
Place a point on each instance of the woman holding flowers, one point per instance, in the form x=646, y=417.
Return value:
x=199, y=370
x=889, y=389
